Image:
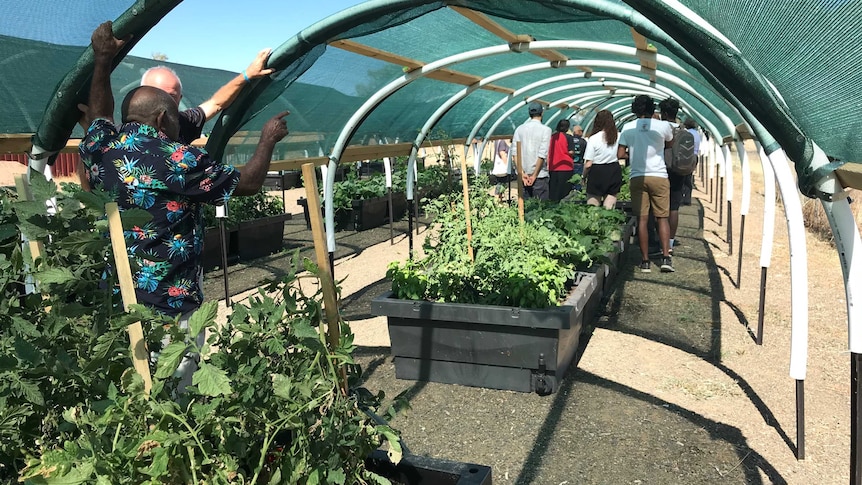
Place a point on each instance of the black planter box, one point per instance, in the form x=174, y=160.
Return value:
x=343, y=218
x=525, y=350
x=261, y=237
x=371, y=213
x=364, y=213
x=211, y=253
x=421, y=470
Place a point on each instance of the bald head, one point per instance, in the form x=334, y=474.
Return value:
x=154, y=107
x=578, y=130
x=164, y=78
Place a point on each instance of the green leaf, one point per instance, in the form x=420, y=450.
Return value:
x=336, y=476
x=132, y=382
x=281, y=386
x=170, y=358
x=76, y=475
x=135, y=217
x=23, y=327
x=303, y=330
x=7, y=231
x=41, y=188
x=27, y=352
x=211, y=381
x=55, y=275
x=30, y=391
x=204, y=316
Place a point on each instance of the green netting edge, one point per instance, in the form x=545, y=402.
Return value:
x=61, y=114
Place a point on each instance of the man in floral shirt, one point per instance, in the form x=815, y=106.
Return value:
x=143, y=167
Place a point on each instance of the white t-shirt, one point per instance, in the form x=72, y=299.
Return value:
x=599, y=151
x=534, y=138
x=645, y=138
x=501, y=164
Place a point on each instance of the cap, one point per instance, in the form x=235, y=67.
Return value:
x=535, y=108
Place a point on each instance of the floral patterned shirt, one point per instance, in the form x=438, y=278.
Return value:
x=144, y=169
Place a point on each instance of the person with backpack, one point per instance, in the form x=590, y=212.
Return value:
x=680, y=158
x=688, y=188
x=643, y=141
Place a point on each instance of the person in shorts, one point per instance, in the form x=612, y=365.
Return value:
x=643, y=142
x=602, y=167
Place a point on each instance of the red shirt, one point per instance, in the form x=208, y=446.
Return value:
x=559, y=159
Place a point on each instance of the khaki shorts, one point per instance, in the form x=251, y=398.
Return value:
x=650, y=193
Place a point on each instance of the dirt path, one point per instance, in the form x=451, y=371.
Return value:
x=671, y=387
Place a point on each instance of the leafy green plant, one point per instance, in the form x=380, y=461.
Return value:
x=625, y=193
x=527, y=265
x=265, y=405
x=246, y=208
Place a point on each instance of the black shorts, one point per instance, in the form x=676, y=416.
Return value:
x=604, y=179
x=677, y=184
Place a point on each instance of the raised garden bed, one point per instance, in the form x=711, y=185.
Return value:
x=526, y=350
x=364, y=213
x=211, y=253
x=498, y=347
x=421, y=470
x=261, y=237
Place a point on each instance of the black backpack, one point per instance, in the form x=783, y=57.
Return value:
x=680, y=158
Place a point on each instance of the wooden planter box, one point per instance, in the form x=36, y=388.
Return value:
x=211, y=253
x=526, y=350
x=422, y=470
x=261, y=237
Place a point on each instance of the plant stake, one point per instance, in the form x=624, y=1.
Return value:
x=330, y=302
x=520, y=168
x=466, y=189
x=127, y=290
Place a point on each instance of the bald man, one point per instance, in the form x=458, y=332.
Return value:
x=192, y=120
x=146, y=167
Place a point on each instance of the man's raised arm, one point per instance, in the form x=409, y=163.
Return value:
x=105, y=47
x=228, y=93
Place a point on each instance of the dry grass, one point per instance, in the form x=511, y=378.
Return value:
x=816, y=220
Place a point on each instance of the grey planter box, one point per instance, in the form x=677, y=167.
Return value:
x=518, y=349
x=526, y=350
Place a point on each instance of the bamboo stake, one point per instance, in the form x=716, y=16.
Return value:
x=330, y=300
x=24, y=193
x=466, y=189
x=140, y=355
x=520, y=168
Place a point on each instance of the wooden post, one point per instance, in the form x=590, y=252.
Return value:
x=520, y=168
x=330, y=300
x=466, y=189
x=140, y=355
x=23, y=187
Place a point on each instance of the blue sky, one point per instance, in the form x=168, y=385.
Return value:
x=222, y=34
x=226, y=34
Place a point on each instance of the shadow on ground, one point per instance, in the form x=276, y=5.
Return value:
x=593, y=430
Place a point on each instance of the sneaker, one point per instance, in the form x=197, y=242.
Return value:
x=645, y=267
x=666, y=266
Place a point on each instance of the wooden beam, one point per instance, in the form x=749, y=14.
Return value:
x=364, y=50
x=641, y=42
x=850, y=175
x=445, y=75
x=646, y=53
x=508, y=36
